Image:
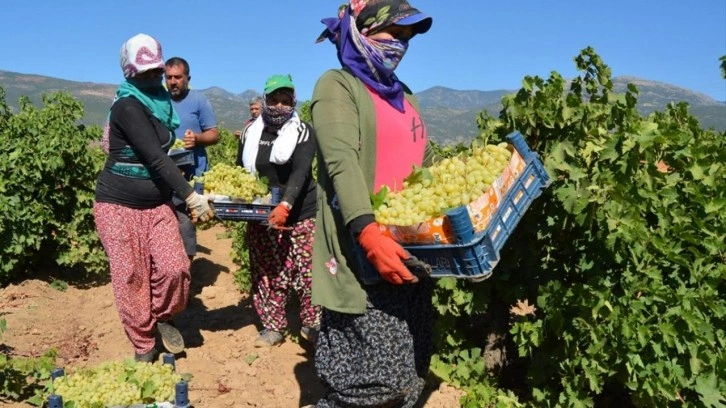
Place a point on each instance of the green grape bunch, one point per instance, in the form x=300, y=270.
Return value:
x=233, y=181
x=118, y=383
x=178, y=144
x=430, y=192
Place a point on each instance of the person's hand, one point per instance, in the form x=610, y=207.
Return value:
x=386, y=255
x=190, y=139
x=199, y=207
x=278, y=216
x=237, y=134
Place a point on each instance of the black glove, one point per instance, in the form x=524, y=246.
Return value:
x=417, y=267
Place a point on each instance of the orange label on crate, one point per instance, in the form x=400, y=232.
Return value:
x=438, y=231
x=434, y=231
x=482, y=208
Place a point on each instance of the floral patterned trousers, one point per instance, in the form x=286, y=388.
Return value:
x=149, y=268
x=280, y=263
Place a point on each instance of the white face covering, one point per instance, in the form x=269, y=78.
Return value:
x=139, y=54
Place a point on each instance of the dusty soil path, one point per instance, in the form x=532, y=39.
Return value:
x=219, y=327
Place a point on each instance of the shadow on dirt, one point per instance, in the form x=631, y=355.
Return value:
x=432, y=384
x=59, y=277
x=311, y=389
x=197, y=317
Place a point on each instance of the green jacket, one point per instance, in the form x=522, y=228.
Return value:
x=344, y=119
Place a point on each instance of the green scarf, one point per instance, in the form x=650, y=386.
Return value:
x=158, y=101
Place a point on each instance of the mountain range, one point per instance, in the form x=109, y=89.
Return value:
x=450, y=114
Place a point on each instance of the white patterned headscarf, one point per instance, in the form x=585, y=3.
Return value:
x=140, y=54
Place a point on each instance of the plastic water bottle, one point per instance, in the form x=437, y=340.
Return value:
x=55, y=401
x=168, y=358
x=181, y=398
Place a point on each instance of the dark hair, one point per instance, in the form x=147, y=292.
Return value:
x=174, y=61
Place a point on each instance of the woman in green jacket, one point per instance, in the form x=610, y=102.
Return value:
x=374, y=346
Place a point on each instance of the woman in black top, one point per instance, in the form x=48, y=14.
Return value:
x=132, y=209
x=280, y=147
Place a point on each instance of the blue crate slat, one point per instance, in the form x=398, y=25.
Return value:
x=168, y=358
x=242, y=211
x=181, y=395
x=55, y=401
x=57, y=372
x=232, y=211
x=475, y=255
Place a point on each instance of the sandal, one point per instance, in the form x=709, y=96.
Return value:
x=170, y=337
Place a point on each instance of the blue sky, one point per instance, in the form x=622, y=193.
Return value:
x=473, y=44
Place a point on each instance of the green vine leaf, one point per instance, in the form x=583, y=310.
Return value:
x=709, y=392
x=418, y=175
x=379, y=198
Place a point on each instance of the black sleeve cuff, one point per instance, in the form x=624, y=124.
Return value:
x=358, y=223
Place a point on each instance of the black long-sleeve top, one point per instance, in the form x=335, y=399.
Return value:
x=295, y=178
x=138, y=172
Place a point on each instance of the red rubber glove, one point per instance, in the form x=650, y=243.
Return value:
x=278, y=216
x=386, y=255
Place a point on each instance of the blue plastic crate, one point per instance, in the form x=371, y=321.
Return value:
x=475, y=255
x=181, y=391
x=182, y=157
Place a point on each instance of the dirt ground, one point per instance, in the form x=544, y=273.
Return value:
x=219, y=327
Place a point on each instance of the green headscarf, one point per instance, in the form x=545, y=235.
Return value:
x=157, y=100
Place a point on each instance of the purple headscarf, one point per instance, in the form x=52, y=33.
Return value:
x=368, y=16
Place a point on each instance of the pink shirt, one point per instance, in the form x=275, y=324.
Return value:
x=401, y=142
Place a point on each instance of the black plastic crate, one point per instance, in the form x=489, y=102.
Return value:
x=239, y=210
x=182, y=157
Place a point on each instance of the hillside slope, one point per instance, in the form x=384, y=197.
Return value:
x=450, y=114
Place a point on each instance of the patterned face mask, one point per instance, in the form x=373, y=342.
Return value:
x=386, y=54
x=276, y=116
